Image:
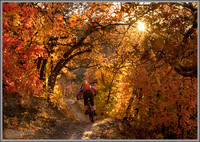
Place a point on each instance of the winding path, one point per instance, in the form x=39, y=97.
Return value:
x=84, y=129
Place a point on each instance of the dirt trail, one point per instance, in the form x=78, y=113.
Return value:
x=76, y=111
x=81, y=129
x=84, y=129
x=67, y=130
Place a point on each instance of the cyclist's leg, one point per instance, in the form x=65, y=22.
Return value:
x=92, y=102
x=85, y=97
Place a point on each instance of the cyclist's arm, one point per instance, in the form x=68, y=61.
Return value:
x=79, y=93
x=94, y=89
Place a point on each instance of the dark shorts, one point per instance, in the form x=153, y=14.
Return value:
x=88, y=95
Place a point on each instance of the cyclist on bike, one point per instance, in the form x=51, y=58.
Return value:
x=87, y=91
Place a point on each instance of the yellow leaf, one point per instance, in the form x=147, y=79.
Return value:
x=15, y=118
x=6, y=121
x=158, y=80
x=70, y=40
x=80, y=26
x=79, y=13
x=159, y=136
x=73, y=17
x=61, y=17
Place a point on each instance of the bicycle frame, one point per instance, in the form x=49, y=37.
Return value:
x=91, y=114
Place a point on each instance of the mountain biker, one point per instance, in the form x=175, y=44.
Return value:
x=87, y=91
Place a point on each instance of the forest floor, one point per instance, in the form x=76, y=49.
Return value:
x=76, y=127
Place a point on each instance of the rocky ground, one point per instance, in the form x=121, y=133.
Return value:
x=76, y=127
x=101, y=129
x=84, y=129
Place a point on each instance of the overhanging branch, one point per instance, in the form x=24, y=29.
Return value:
x=78, y=53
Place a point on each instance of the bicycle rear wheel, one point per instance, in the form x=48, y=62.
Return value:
x=91, y=114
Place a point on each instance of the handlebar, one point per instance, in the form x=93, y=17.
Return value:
x=81, y=97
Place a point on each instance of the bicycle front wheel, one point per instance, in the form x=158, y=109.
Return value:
x=91, y=114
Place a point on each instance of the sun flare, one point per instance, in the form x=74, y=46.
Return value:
x=141, y=26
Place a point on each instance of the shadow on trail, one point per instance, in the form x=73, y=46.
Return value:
x=69, y=130
x=81, y=129
x=101, y=129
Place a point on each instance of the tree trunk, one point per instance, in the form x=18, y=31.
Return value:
x=52, y=80
x=110, y=87
x=42, y=70
x=130, y=103
x=108, y=96
x=61, y=64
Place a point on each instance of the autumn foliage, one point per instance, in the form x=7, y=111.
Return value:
x=46, y=44
x=19, y=54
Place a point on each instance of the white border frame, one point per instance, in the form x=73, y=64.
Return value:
x=198, y=82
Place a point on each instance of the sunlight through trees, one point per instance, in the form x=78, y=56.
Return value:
x=115, y=46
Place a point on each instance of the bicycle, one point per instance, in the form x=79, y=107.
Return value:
x=91, y=113
x=90, y=110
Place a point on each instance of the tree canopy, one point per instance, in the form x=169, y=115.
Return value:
x=123, y=45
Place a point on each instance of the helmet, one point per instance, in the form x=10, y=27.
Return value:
x=84, y=81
